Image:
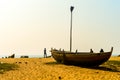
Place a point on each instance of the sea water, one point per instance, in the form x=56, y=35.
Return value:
x=29, y=55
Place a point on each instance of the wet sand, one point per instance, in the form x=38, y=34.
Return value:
x=48, y=69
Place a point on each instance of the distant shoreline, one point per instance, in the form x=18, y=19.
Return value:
x=18, y=56
x=35, y=56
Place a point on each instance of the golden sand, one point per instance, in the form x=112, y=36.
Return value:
x=48, y=69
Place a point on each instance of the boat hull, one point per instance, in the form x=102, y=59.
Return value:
x=81, y=58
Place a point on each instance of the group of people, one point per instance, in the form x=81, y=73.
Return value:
x=91, y=51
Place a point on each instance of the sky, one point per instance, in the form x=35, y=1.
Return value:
x=29, y=26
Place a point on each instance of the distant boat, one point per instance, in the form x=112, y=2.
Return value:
x=81, y=58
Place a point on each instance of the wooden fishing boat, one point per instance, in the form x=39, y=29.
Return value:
x=81, y=58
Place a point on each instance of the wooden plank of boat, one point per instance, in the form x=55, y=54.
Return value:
x=81, y=58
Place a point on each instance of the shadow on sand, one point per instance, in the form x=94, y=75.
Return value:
x=52, y=63
x=111, y=65
x=105, y=68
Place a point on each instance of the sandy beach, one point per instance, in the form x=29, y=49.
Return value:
x=48, y=69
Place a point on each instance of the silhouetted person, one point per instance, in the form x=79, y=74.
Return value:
x=101, y=50
x=45, y=54
x=76, y=51
x=91, y=51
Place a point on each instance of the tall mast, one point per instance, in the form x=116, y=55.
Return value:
x=71, y=9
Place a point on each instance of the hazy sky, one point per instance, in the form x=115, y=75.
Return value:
x=29, y=26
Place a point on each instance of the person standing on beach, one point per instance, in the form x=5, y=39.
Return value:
x=91, y=51
x=45, y=54
x=101, y=50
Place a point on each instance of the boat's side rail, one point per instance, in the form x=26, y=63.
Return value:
x=68, y=52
